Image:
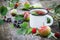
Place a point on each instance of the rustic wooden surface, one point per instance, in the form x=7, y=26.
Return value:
x=6, y=33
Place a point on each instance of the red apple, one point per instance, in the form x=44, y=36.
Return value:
x=44, y=30
x=26, y=15
x=13, y=12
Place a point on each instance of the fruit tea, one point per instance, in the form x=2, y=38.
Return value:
x=38, y=12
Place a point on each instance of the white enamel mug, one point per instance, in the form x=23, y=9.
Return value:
x=38, y=21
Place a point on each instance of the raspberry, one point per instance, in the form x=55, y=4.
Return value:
x=57, y=34
x=33, y=30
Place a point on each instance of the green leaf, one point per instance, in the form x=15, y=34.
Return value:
x=3, y=10
x=57, y=9
x=11, y=25
x=19, y=17
x=34, y=13
x=52, y=36
x=11, y=5
x=27, y=6
x=24, y=25
x=48, y=20
x=21, y=31
x=1, y=22
x=24, y=29
x=13, y=1
x=29, y=30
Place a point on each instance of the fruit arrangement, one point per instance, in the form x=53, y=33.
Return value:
x=21, y=21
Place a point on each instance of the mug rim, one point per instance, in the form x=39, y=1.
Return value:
x=39, y=9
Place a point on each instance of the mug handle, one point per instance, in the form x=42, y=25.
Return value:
x=51, y=20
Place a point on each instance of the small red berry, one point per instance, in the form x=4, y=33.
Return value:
x=33, y=30
x=57, y=34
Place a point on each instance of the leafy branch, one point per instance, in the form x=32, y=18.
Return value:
x=3, y=12
x=24, y=29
